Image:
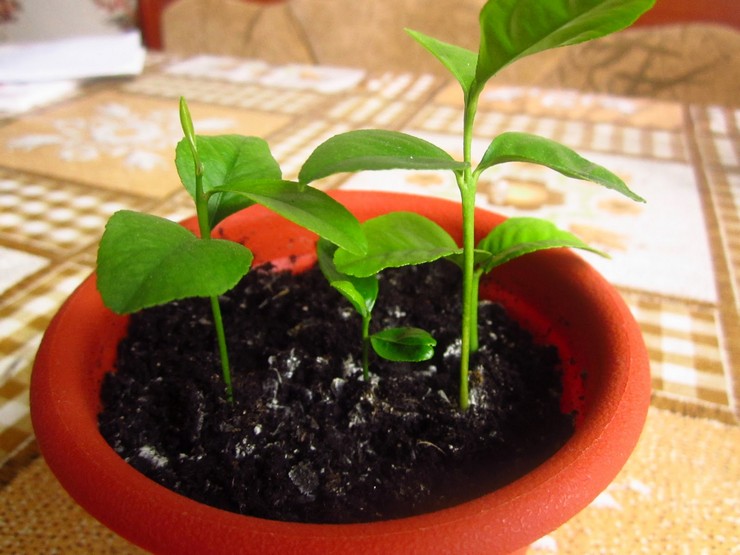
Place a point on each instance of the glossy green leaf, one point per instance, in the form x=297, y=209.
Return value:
x=404, y=344
x=516, y=237
x=145, y=260
x=397, y=239
x=513, y=29
x=225, y=159
x=523, y=147
x=479, y=257
x=360, y=292
x=305, y=206
x=374, y=149
x=460, y=62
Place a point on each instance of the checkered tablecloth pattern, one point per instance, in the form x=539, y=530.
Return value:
x=679, y=274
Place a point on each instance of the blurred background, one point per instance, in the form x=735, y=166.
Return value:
x=682, y=50
x=658, y=104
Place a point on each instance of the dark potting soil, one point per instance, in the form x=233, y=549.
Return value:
x=307, y=439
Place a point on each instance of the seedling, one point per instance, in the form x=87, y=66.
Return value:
x=509, y=31
x=402, y=344
x=405, y=238
x=146, y=260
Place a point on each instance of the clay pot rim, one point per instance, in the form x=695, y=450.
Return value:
x=564, y=481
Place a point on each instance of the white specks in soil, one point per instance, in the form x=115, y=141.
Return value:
x=453, y=350
x=150, y=454
x=304, y=477
x=442, y=395
x=307, y=438
x=244, y=448
x=398, y=313
x=270, y=388
x=287, y=363
x=291, y=363
x=350, y=367
x=336, y=386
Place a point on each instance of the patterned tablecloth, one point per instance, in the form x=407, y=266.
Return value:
x=65, y=168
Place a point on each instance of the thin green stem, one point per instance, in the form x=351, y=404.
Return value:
x=222, y=348
x=471, y=107
x=366, y=347
x=201, y=206
x=474, y=315
x=204, y=226
x=467, y=184
x=467, y=295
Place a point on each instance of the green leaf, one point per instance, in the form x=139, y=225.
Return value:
x=144, y=261
x=461, y=62
x=479, y=257
x=397, y=239
x=374, y=149
x=360, y=292
x=404, y=344
x=523, y=147
x=513, y=29
x=225, y=158
x=516, y=237
x=305, y=206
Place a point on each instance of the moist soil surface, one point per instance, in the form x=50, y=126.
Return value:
x=307, y=438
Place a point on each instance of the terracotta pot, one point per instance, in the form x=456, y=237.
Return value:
x=553, y=293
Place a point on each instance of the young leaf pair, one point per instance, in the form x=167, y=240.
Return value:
x=406, y=238
x=402, y=344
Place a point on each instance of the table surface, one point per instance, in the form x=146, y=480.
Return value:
x=67, y=166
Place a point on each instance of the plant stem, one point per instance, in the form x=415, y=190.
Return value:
x=467, y=184
x=474, y=315
x=366, y=347
x=468, y=294
x=223, y=350
x=201, y=209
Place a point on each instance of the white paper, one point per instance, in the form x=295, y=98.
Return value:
x=16, y=98
x=72, y=58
